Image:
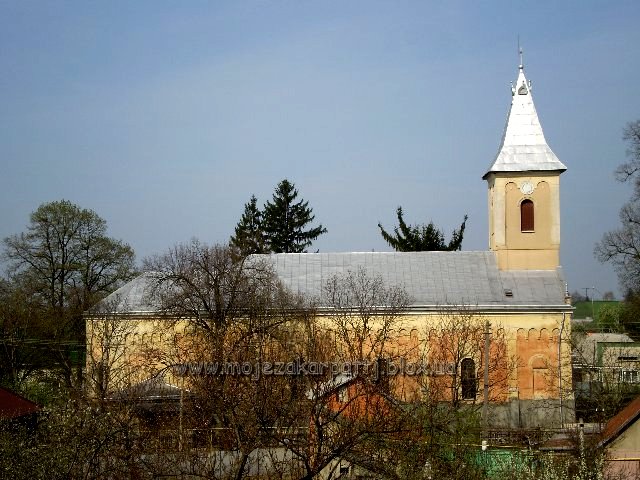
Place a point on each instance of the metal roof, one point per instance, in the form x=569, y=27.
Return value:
x=523, y=147
x=133, y=297
x=620, y=422
x=431, y=279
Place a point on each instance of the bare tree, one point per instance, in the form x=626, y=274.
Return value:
x=209, y=285
x=620, y=246
x=109, y=338
x=236, y=316
x=456, y=341
x=244, y=316
x=365, y=314
x=447, y=419
x=352, y=410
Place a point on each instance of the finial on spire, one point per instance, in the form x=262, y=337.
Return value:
x=521, y=61
x=521, y=66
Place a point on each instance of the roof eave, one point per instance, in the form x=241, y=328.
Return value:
x=551, y=170
x=489, y=308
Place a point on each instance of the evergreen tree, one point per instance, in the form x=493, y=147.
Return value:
x=284, y=221
x=249, y=237
x=421, y=238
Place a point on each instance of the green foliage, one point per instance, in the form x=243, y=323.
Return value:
x=59, y=267
x=548, y=466
x=67, y=258
x=249, y=237
x=630, y=316
x=420, y=238
x=610, y=317
x=72, y=441
x=443, y=443
x=285, y=221
x=586, y=308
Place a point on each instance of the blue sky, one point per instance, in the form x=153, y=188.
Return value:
x=165, y=117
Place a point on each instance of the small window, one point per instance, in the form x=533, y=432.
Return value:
x=468, y=374
x=526, y=216
x=629, y=376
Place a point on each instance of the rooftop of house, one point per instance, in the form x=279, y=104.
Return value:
x=586, y=348
x=620, y=422
x=431, y=279
x=13, y=405
x=615, y=426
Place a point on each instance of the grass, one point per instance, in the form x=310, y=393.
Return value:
x=587, y=309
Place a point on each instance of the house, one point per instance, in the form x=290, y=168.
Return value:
x=621, y=441
x=606, y=373
x=15, y=408
x=513, y=296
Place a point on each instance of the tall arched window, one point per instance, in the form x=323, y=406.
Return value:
x=468, y=377
x=526, y=216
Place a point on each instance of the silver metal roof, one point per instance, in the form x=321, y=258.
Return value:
x=431, y=279
x=133, y=297
x=523, y=147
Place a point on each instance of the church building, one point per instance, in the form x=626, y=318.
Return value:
x=516, y=288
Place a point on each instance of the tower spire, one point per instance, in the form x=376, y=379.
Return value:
x=523, y=146
x=524, y=189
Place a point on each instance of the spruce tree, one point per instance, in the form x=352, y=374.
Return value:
x=421, y=238
x=248, y=237
x=284, y=221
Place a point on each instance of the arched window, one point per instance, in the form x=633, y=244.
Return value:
x=526, y=216
x=468, y=377
x=540, y=377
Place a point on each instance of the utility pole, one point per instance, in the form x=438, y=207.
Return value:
x=485, y=399
x=560, y=370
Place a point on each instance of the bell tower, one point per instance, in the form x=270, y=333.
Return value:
x=524, y=190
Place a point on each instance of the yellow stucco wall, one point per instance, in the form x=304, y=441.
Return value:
x=515, y=249
x=532, y=341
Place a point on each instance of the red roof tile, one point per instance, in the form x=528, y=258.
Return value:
x=13, y=405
